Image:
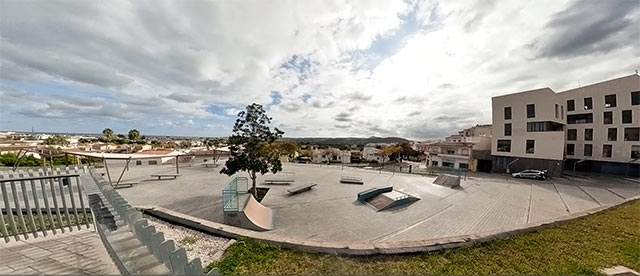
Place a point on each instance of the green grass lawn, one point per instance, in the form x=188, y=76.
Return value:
x=582, y=246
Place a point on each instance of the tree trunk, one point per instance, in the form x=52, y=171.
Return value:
x=253, y=184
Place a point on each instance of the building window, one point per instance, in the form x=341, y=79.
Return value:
x=507, y=113
x=152, y=162
x=588, y=134
x=586, y=118
x=632, y=133
x=504, y=145
x=572, y=134
x=571, y=105
x=451, y=151
x=507, y=129
x=588, y=150
x=606, y=150
x=612, y=134
x=635, y=98
x=448, y=164
x=463, y=166
x=531, y=111
x=556, y=111
x=138, y=162
x=561, y=112
x=434, y=163
x=635, y=151
x=531, y=146
x=610, y=100
x=608, y=117
x=588, y=103
x=543, y=126
x=571, y=149
x=627, y=116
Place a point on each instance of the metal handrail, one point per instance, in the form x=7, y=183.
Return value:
x=21, y=195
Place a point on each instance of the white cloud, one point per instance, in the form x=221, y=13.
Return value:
x=169, y=62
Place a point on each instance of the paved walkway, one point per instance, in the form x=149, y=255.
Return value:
x=79, y=252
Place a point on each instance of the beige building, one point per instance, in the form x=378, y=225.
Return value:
x=597, y=125
x=469, y=149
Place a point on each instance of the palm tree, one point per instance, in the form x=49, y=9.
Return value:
x=108, y=133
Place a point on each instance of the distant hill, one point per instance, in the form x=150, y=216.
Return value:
x=347, y=140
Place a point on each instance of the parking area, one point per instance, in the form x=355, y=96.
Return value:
x=330, y=211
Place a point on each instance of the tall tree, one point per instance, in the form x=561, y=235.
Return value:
x=108, y=133
x=249, y=145
x=134, y=134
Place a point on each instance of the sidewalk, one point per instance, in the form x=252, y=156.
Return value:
x=79, y=252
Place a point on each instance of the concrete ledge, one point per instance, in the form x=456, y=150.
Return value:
x=365, y=247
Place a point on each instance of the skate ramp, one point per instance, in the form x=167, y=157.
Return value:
x=254, y=215
x=390, y=199
x=447, y=180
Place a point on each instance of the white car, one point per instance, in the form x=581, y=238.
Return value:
x=534, y=174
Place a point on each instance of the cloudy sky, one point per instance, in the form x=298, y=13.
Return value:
x=416, y=69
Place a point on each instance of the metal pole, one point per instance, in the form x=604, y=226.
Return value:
x=177, y=168
x=104, y=161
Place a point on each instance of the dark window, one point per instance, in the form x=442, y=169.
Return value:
x=572, y=134
x=588, y=103
x=571, y=105
x=434, y=163
x=530, y=146
x=556, y=111
x=138, y=162
x=448, y=164
x=608, y=117
x=531, y=111
x=588, y=150
x=153, y=162
x=610, y=100
x=635, y=152
x=626, y=116
x=543, y=126
x=632, y=133
x=561, y=112
x=612, y=134
x=507, y=113
x=606, y=150
x=504, y=145
x=588, y=134
x=635, y=98
x=571, y=149
x=507, y=129
x=586, y=118
x=463, y=166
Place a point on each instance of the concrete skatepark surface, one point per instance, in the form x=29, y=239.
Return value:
x=330, y=211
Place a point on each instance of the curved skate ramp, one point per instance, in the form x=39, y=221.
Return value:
x=258, y=216
x=253, y=215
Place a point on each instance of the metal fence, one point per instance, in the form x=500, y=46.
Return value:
x=238, y=185
x=175, y=259
x=32, y=203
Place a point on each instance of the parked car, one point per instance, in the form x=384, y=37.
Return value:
x=534, y=174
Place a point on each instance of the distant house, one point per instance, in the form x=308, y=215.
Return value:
x=331, y=155
x=371, y=152
x=102, y=147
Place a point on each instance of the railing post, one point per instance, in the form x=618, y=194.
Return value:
x=16, y=204
x=27, y=206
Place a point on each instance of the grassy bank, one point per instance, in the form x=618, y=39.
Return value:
x=582, y=246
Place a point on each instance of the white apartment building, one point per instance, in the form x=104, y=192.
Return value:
x=332, y=155
x=469, y=149
x=597, y=125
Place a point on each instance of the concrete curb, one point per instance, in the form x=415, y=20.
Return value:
x=361, y=248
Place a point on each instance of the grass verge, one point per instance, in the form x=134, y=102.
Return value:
x=582, y=246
